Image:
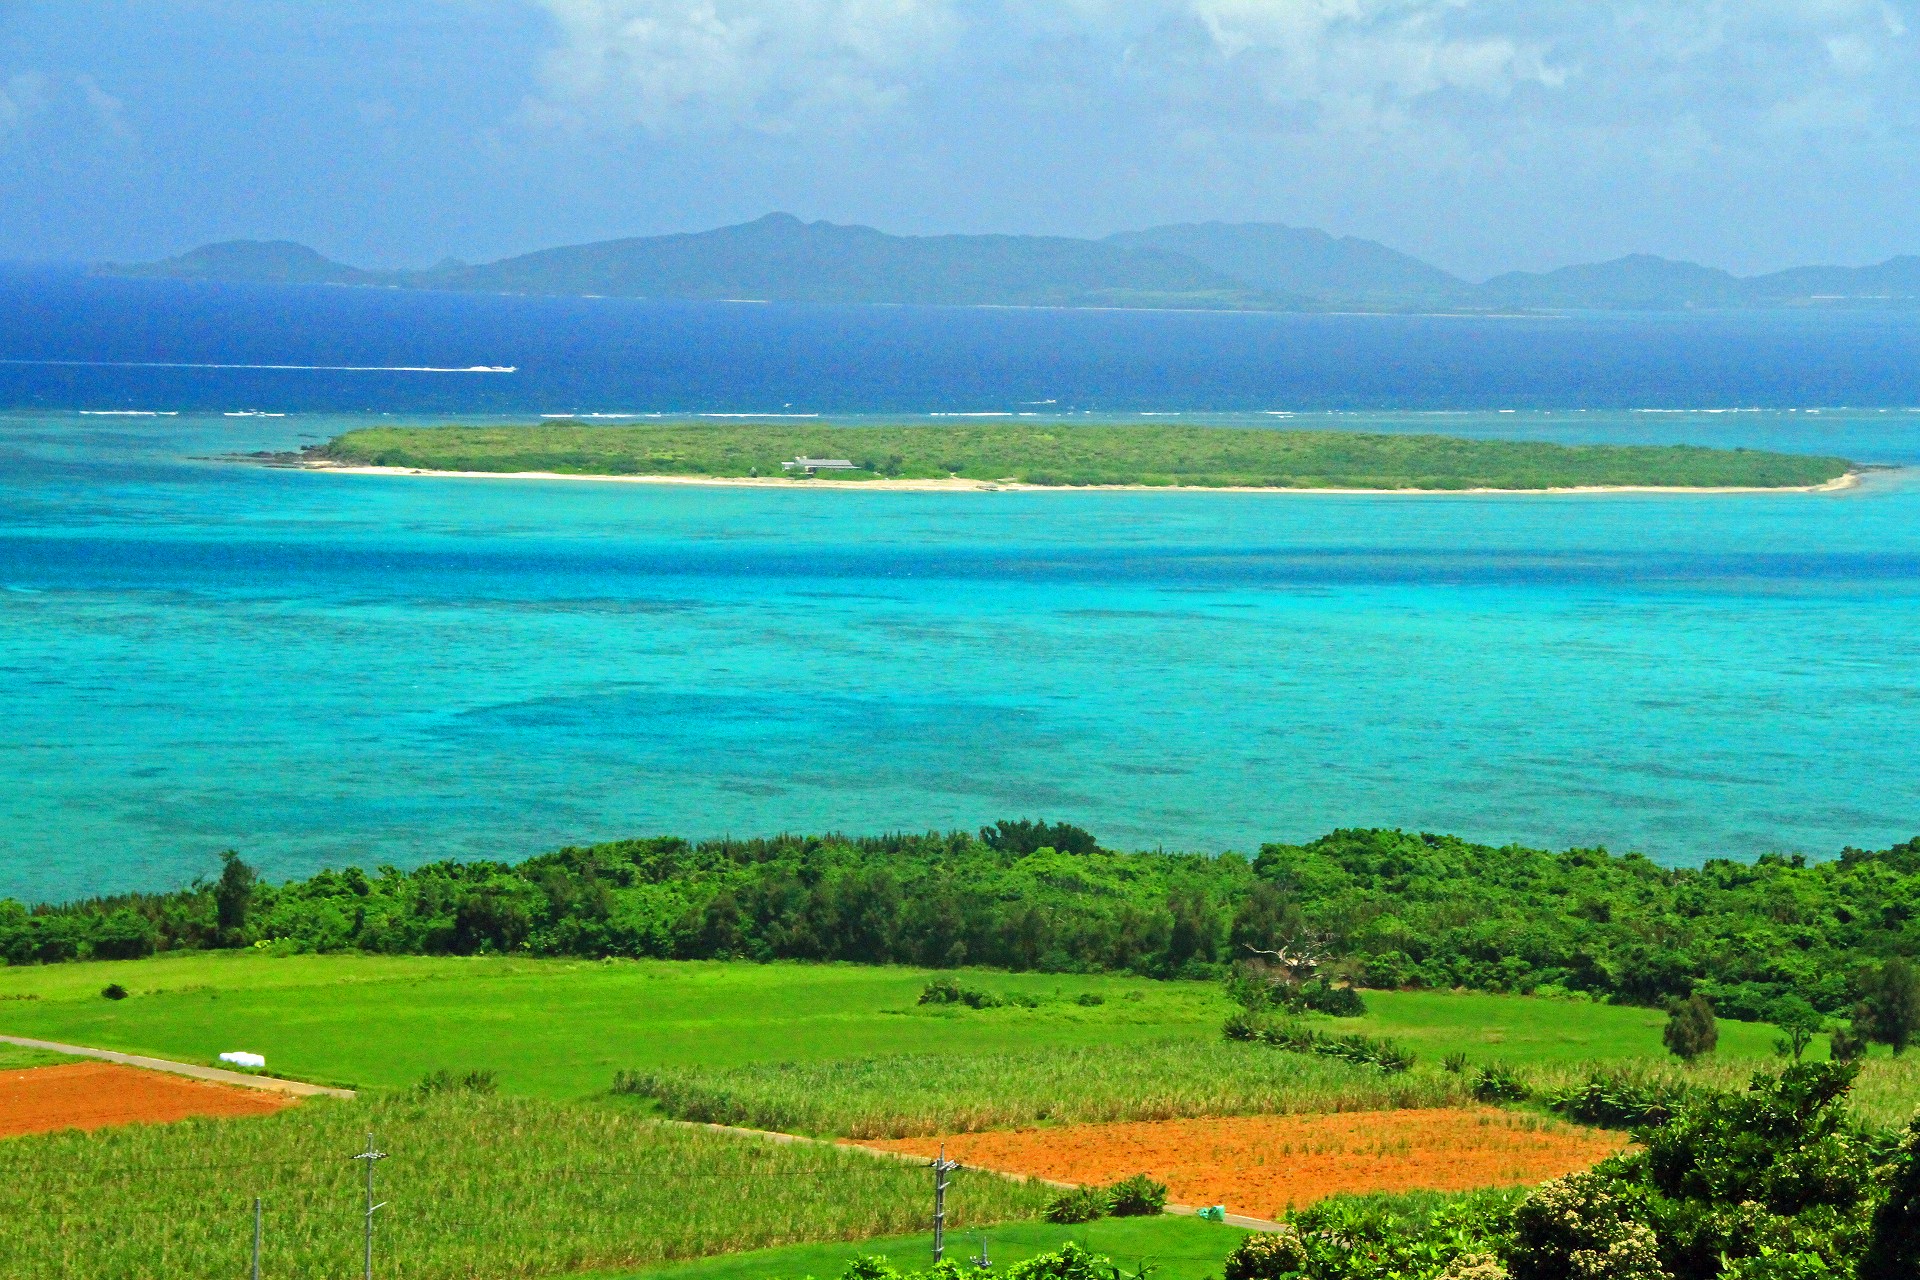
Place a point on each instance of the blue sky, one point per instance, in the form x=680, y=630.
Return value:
x=1483, y=135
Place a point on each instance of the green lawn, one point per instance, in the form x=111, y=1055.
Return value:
x=14, y=1058
x=1176, y=1249
x=1528, y=1031
x=558, y=1028
x=1068, y=454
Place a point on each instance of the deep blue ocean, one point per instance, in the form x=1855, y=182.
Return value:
x=316, y=669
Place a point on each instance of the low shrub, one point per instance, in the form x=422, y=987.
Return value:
x=1410, y=1236
x=1090, y=999
x=1136, y=1197
x=1267, y=1255
x=1499, y=1082
x=1070, y=1262
x=113, y=991
x=1617, y=1100
x=1337, y=1002
x=481, y=1082
x=1082, y=1204
x=947, y=991
x=1454, y=1063
x=1297, y=1038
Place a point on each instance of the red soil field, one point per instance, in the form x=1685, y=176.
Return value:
x=1264, y=1165
x=93, y=1095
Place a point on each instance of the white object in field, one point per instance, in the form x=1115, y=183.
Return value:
x=241, y=1058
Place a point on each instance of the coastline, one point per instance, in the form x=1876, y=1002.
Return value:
x=1849, y=480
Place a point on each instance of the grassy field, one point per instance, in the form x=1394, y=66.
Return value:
x=562, y=1028
x=1175, y=1249
x=555, y=1028
x=1528, y=1031
x=15, y=1058
x=1057, y=454
x=473, y=1186
x=901, y=1097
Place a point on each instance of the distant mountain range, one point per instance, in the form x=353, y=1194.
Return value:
x=1213, y=265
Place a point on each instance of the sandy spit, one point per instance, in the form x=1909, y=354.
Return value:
x=1848, y=481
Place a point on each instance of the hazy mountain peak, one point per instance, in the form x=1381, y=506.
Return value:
x=1302, y=260
x=780, y=257
x=267, y=261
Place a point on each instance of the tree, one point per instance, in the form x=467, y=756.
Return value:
x=1799, y=1021
x=1262, y=920
x=232, y=896
x=1848, y=1044
x=1892, y=1004
x=1894, y=1249
x=1023, y=836
x=124, y=935
x=1691, y=1030
x=1195, y=931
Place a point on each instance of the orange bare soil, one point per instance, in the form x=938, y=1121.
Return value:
x=93, y=1095
x=1263, y=1165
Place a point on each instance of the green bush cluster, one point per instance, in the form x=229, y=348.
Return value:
x=1415, y=1237
x=480, y=1081
x=1137, y=1196
x=947, y=991
x=1069, y=1262
x=1617, y=1099
x=1296, y=1037
x=1395, y=910
x=1500, y=1082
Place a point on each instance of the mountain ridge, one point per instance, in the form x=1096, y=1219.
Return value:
x=1211, y=265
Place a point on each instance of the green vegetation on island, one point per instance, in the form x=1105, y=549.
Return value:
x=1055, y=454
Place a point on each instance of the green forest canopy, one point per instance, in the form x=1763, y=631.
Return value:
x=1061, y=454
x=1396, y=910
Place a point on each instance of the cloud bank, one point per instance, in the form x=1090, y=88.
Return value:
x=1685, y=77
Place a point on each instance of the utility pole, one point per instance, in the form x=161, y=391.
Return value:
x=256, y=1238
x=370, y=1155
x=941, y=1168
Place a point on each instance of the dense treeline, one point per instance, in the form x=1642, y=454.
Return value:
x=1393, y=909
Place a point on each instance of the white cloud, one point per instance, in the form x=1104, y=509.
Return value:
x=20, y=97
x=1429, y=73
x=671, y=65
x=109, y=113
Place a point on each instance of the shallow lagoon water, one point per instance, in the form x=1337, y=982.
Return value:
x=322, y=669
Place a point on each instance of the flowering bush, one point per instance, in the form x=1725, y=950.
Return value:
x=1589, y=1226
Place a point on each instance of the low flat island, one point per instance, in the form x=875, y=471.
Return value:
x=1056, y=456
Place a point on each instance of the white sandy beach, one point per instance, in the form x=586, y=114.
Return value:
x=1848, y=481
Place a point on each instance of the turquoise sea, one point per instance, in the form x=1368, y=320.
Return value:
x=322, y=669
x=198, y=655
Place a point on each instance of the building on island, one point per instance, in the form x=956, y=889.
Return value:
x=811, y=465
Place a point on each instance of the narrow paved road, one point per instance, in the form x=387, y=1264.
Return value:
x=274, y=1084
